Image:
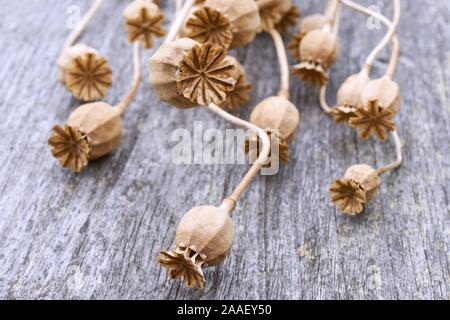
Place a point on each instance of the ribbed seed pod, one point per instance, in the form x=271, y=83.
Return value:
x=308, y=24
x=280, y=118
x=277, y=113
x=358, y=186
x=385, y=91
x=164, y=66
x=349, y=97
x=84, y=72
x=203, y=239
x=185, y=69
x=271, y=12
x=318, y=50
x=380, y=102
x=143, y=21
x=93, y=130
x=228, y=23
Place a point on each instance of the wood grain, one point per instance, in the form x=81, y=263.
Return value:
x=96, y=235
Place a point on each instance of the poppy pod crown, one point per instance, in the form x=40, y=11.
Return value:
x=84, y=72
x=92, y=131
x=228, y=23
x=358, y=186
x=143, y=21
x=186, y=73
x=203, y=239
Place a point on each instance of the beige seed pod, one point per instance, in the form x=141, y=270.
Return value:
x=143, y=21
x=243, y=17
x=288, y=20
x=349, y=97
x=277, y=113
x=385, y=91
x=308, y=24
x=203, y=239
x=93, y=130
x=318, y=51
x=84, y=72
x=359, y=186
x=271, y=12
x=202, y=73
x=163, y=72
x=240, y=95
x=280, y=118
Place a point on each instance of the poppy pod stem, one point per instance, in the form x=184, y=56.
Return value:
x=229, y=203
x=323, y=100
x=399, y=156
x=392, y=25
x=283, y=62
x=76, y=33
x=178, y=6
x=179, y=20
x=323, y=89
x=330, y=12
x=390, y=72
x=136, y=79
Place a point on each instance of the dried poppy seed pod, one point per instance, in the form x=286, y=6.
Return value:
x=203, y=239
x=308, y=24
x=143, y=20
x=205, y=74
x=277, y=113
x=271, y=12
x=349, y=97
x=163, y=72
x=385, y=91
x=359, y=186
x=84, y=72
x=240, y=95
x=185, y=69
x=238, y=19
x=288, y=20
x=93, y=130
x=280, y=118
x=318, y=50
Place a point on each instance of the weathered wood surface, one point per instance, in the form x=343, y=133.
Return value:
x=96, y=234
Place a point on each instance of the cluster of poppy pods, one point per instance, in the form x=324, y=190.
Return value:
x=193, y=68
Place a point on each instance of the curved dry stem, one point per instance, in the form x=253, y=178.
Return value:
x=283, y=62
x=228, y=204
x=136, y=79
x=323, y=89
x=390, y=71
x=179, y=20
x=392, y=25
x=323, y=100
x=330, y=11
x=399, y=156
x=76, y=33
x=337, y=20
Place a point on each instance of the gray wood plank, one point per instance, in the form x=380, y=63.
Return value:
x=96, y=234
